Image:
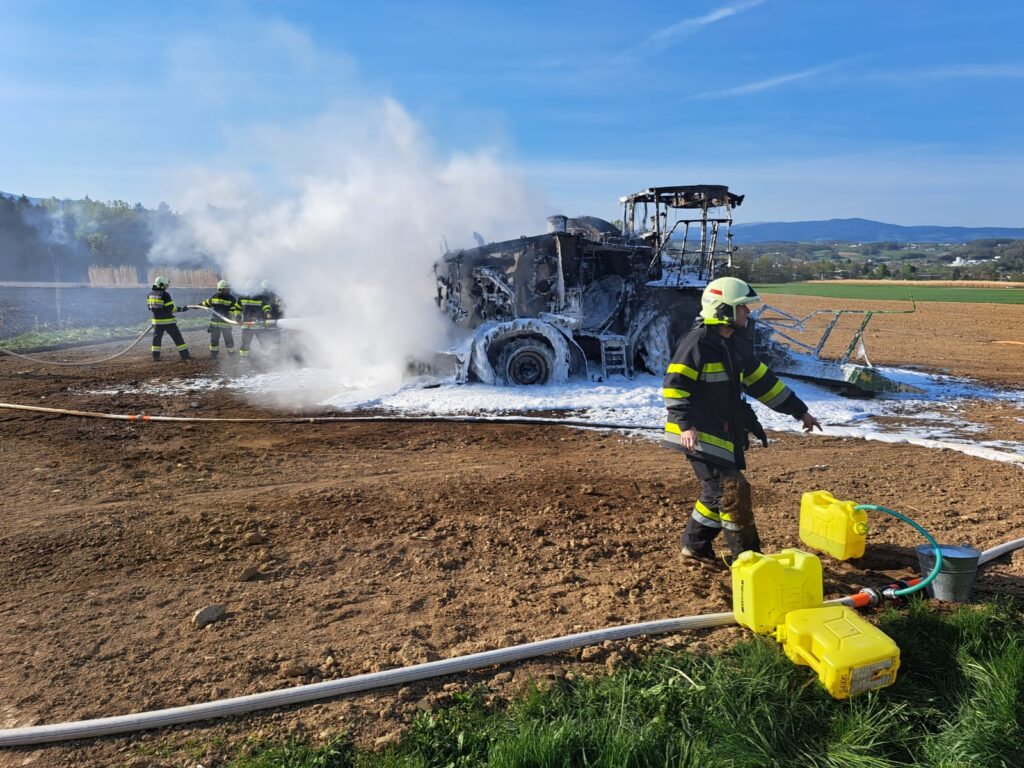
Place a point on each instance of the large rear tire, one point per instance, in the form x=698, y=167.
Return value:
x=525, y=363
x=655, y=345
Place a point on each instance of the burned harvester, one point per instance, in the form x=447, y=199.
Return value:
x=588, y=297
x=591, y=298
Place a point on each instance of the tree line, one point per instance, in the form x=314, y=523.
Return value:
x=58, y=240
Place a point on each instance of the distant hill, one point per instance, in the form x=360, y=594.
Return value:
x=864, y=231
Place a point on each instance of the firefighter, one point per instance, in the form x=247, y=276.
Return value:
x=255, y=313
x=226, y=307
x=272, y=333
x=708, y=418
x=163, y=308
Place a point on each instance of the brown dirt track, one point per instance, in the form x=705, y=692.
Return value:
x=389, y=544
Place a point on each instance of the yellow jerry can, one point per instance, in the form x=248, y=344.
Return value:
x=832, y=526
x=766, y=587
x=849, y=654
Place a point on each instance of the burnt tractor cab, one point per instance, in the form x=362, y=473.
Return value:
x=595, y=299
x=587, y=298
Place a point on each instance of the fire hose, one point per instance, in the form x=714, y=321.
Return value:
x=230, y=321
x=142, y=417
x=130, y=346
x=105, y=726
x=78, y=362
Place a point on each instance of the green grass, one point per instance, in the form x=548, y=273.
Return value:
x=959, y=701
x=889, y=292
x=44, y=337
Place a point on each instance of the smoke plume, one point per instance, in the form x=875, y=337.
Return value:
x=350, y=245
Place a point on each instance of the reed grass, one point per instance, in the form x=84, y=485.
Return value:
x=115, y=276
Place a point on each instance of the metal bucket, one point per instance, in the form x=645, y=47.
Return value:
x=956, y=576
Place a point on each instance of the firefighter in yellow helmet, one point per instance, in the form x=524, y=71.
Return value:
x=225, y=308
x=162, y=306
x=713, y=367
x=256, y=311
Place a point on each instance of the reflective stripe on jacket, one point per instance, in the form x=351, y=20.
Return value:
x=254, y=308
x=704, y=387
x=223, y=304
x=162, y=306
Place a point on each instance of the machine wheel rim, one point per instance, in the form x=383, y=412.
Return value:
x=527, y=367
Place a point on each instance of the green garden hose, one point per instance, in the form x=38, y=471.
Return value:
x=935, y=546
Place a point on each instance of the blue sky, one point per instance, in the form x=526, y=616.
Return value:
x=909, y=112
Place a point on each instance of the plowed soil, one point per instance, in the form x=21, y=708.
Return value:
x=343, y=548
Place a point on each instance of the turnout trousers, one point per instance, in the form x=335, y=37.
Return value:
x=248, y=334
x=216, y=333
x=171, y=329
x=724, y=504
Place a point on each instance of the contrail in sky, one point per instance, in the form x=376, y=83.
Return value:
x=664, y=38
x=774, y=82
x=688, y=26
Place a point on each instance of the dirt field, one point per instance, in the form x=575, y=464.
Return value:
x=339, y=549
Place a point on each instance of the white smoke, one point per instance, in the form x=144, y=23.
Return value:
x=351, y=245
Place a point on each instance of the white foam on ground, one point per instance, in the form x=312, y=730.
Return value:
x=637, y=403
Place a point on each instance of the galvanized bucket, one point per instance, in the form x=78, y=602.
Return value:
x=955, y=578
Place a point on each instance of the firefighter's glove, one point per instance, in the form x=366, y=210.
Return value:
x=181, y=309
x=271, y=323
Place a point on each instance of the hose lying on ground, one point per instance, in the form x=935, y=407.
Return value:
x=991, y=554
x=78, y=362
x=328, y=419
x=41, y=734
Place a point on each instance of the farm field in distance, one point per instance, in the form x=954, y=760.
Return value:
x=868, y=290
x=383, y=545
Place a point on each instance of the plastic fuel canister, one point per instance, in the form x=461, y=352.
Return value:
x=849, y=654
x=832, y=526
x=766, y=587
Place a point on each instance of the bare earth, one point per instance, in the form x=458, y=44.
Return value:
x=375, y=546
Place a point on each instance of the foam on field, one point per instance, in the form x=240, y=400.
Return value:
x=932, y=419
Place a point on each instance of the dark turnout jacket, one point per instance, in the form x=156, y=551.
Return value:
x=704, y=389
x=225, y=305
x=255, y=309
x=162, y=306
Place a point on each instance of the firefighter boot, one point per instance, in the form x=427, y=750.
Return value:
x=156, y=355
x=744, y=540
x=696, y=543
x=185, y=354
